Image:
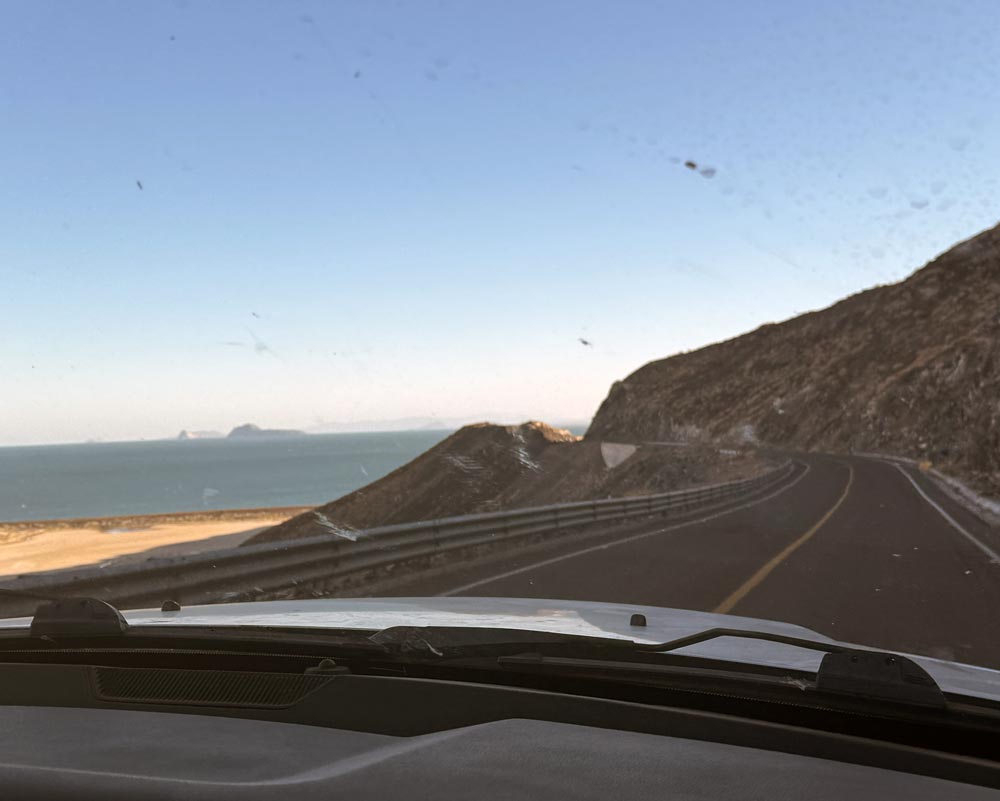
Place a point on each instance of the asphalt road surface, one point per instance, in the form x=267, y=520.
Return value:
x=855, y=548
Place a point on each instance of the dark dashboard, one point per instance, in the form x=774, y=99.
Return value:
x=86, y=731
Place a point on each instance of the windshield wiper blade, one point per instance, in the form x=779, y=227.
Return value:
x=844, y=670
x=857, y=672
x=434, y=643
x=748, y=634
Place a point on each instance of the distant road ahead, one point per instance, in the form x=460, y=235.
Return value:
x=851, y=547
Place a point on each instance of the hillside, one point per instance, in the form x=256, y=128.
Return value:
x=486, y=467
x=911, y=369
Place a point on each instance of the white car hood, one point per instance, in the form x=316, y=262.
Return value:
x=586, y=618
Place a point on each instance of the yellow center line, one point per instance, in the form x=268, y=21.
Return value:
x=726, y=606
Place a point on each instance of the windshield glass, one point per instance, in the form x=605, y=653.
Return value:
x=667, y=304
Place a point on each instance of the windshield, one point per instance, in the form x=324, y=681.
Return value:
x=682, y=305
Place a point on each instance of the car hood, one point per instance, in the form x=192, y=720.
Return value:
x=585, y=618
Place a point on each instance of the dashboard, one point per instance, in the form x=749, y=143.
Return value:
x=56, y=753
x=81, y=732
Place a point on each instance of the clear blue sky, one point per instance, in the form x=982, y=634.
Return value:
x=418, y=207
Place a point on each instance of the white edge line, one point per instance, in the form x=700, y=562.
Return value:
x=592, y=549
x=994, y=557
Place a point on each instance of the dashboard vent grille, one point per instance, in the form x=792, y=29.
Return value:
x=203, y=687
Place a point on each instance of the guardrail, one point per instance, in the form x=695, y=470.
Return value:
x=363, y=559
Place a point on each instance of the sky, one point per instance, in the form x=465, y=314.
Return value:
x=297, y=213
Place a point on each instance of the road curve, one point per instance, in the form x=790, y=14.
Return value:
x=856, y=548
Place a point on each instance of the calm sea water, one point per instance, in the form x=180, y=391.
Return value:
x=124, y=478
x=45, y=482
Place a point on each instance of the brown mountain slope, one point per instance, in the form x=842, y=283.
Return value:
x=911, y=368
x=463, y=472
x=487, y=467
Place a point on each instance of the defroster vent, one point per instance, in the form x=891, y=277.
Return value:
x=203, y=687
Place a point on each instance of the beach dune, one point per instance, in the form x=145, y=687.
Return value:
x=36, y=546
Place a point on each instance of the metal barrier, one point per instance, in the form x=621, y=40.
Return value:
x=356, y=559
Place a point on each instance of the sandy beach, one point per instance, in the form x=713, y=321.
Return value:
x=35, y=546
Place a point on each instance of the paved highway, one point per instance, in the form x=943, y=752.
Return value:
x=855, y=548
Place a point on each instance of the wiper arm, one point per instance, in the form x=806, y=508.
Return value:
x=714, y=634
x=844, y=670
x=849, y=671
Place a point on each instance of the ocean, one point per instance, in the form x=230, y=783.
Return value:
x=45, y=482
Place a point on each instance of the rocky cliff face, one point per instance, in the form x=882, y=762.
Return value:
x=911, y=368
x=486, y=467
x=460, y=475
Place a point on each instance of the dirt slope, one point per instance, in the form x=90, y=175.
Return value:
x=911, y=368
x=486, y=467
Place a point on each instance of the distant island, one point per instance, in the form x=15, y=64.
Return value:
x=185, y=434
x=251, y=431
x=245, y=431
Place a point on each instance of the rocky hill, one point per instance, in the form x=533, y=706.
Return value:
x=486, y=467
x=911, y=369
